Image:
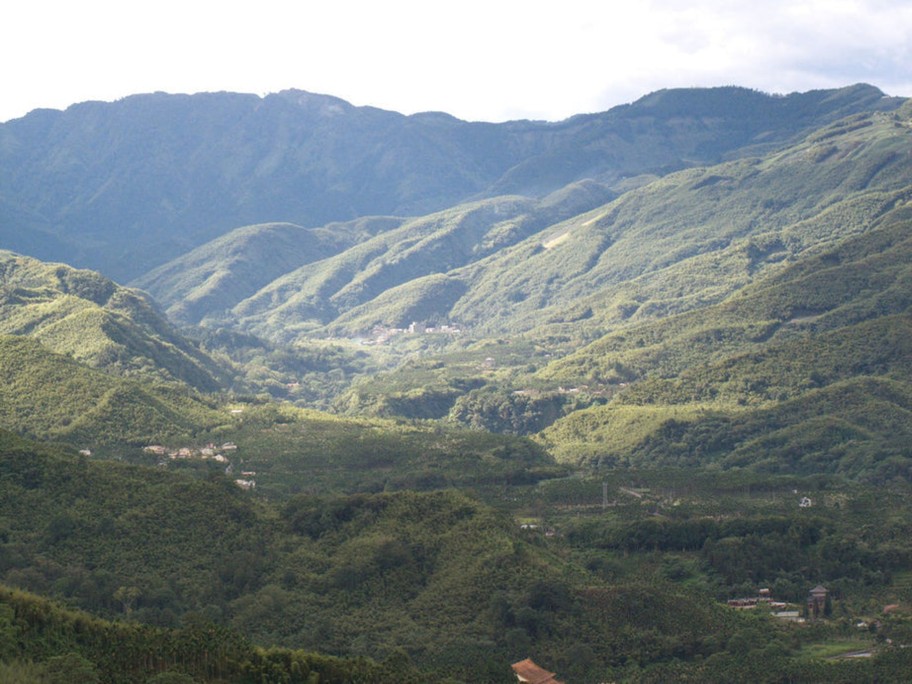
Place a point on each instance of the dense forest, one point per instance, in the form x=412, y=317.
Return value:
x=615, y=394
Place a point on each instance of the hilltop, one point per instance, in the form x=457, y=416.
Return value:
x=103, y=325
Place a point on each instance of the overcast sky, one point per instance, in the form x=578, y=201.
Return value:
x=489, y=60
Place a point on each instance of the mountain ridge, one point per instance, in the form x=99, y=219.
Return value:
x=682, y=241
x=84, y=315
x=123, y=187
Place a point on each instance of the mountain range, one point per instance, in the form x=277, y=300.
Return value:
x=295, y=390
x=511, y=264
x=124, y=187
x=649, y=256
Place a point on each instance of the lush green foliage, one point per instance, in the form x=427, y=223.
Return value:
x=293, y=451
x=52, y=396
x=745, y=327
x=396, y=277
x=221, y=273
x=441, y=575
x=731, y=533
x=438, y=579
x=93, y=320
x=805, y=370
x=726, y=309
x=313, y=373
x=57, y=646
x=571, y=262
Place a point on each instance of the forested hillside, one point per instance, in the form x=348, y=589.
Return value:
x=99, y=323
x=51, y=396
x=806, y=370
x=124, y=187
x=437, y=585
x=357, y=575
x=220, y=274
x=717, y=315
x=571, y=263
x=411, y=399
x=389, y=280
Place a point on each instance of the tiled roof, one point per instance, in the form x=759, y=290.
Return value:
x=527, y=671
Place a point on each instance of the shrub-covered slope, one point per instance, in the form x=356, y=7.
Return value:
x=97, y=322
x=731, y=307
x=439, y=581
x=860, y=279
x=443, y=578
x=41, y=641
x=358, y=288
x=559, y=265
x=51, y=396
x=806, y=370
x=216, y=276
x=695, y=237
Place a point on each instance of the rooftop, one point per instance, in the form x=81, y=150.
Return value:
x=528, y=671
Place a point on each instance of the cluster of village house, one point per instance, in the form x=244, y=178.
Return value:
x=816, y=604
x=528, y=672
x=382, y=334
x=210, y=452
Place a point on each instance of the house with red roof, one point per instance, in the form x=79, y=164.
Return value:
x=528, y=671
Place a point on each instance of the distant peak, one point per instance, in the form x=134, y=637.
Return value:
x=434, y=117
x=678, y=96
x=308, y=100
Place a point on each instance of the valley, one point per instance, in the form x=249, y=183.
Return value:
x=345, y=395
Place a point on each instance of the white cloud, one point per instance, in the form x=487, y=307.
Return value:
x=480, y=60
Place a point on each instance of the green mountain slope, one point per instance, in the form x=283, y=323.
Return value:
x=804, y=370
x=216, y=276
x=51, y=396
x=318, y=293
x=730, y=308
x=362, y=575
x=680, y=243
x=124, y=187
x=44, y=642
x=189, y=573
x=859, y=279
x=695, y=237
x=93, y=320
x=294, y=450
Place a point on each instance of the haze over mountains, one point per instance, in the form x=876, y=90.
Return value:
x=125, y=187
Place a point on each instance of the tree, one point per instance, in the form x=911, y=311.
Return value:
x=127, y=597
x=71, y=668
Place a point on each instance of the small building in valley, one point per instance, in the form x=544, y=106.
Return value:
x=528, y=671
x=816, y=602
